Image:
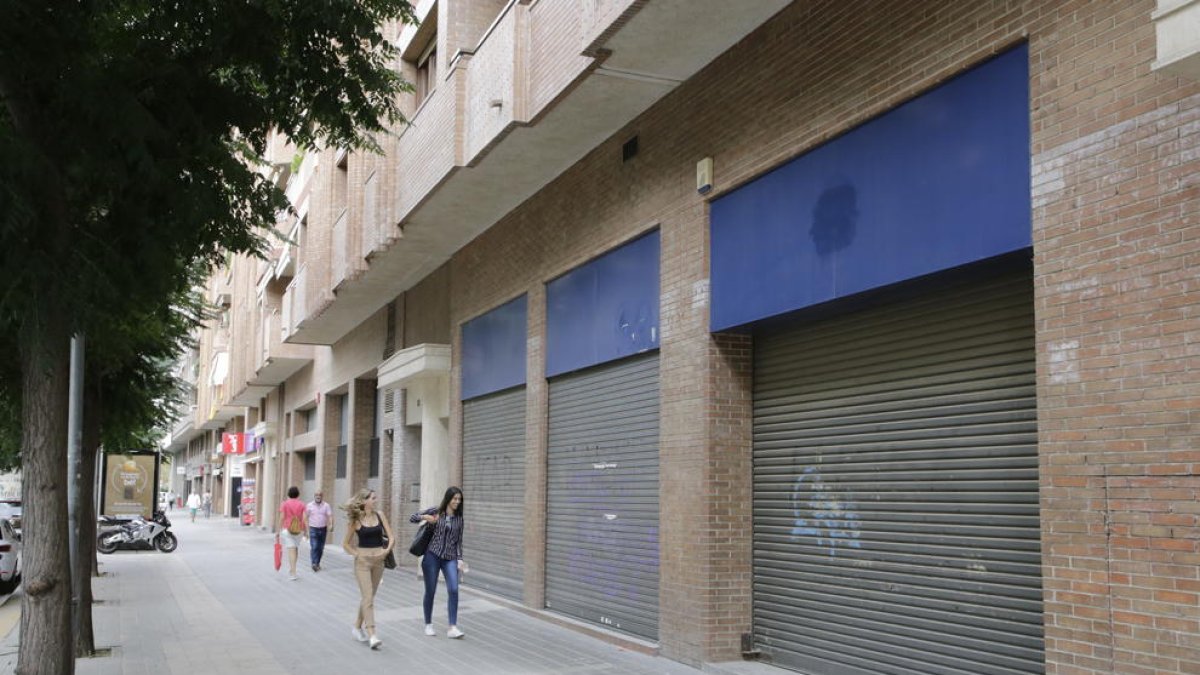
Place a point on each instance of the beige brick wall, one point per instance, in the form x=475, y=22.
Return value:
x=555, y=43
x=426, y=310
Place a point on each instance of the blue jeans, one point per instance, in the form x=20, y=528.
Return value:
x=316, y=543
x=431, y=564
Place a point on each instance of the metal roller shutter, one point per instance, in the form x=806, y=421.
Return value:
x=896, y=524
x=602, y=502
x=494, y=488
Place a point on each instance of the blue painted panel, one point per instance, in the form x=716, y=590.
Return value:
x=604, y=310
x=493, y=349
x=939, y=182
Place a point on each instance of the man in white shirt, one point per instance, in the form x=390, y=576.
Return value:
x=193, y=504
x=320, y=526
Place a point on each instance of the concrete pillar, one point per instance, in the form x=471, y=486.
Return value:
x=430, y=396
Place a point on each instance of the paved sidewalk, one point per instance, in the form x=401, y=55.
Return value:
x=217, y=605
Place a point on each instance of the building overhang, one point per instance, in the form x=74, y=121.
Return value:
x=251, y=394
x=633, y=68
x=1177, y=37
x=221, y=416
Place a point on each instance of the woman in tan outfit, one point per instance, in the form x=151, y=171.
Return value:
x=365, y=541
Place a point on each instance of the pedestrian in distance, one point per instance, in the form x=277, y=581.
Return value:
x=444, y=555
x=320, y=526
x=171, y=501
x=193, y=504
x=292, y=526
x=207, y=504
x=369, y=539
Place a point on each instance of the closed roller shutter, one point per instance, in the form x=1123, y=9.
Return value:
x=494, y=487
x=602, y=504
x=896, y=520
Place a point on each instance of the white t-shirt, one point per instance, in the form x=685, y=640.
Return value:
x=193, y=501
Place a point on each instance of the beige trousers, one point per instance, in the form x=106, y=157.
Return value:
x=368, y=571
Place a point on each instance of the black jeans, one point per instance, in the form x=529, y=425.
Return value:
x=316, y=542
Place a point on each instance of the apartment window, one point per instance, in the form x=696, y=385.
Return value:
x=373, y=463
x=421, y=56
x=343, y=419
x=310, y=466
x=426, y=72
x=341, y=181
x=307, y=420
x=341, y=461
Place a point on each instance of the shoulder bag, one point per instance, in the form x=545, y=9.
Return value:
x=389, y=560
x=421, y=540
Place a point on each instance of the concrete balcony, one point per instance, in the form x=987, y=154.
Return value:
x=275, y=361
x=1177, y=32
x=183, y=431
x=220, y=409
x=546, y=84
x=304, y=441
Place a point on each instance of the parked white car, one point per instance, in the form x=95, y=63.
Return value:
x=10, y=557
x=11, y=509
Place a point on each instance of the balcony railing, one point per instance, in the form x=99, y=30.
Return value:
x=295, y=301
x=340, y=264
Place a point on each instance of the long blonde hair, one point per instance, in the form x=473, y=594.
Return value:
x=355, y=508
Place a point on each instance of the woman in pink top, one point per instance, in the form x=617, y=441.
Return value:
x=292, y=525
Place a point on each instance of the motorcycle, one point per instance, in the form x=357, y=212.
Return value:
x=137, y=534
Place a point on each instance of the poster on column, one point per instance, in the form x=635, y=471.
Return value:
x=129, y=484
x=248, y=501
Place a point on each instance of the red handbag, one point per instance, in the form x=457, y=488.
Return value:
x=278, y=554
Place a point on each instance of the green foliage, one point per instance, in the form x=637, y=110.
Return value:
x=130, y=141
x=130, y=133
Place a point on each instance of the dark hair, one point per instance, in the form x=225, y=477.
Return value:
x=450, y=492
x=293, y=492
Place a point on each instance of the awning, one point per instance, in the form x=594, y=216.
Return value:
x=220, y=369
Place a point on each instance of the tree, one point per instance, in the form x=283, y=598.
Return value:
x=131, y=399
x=129, y=133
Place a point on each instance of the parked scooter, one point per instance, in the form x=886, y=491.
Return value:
x=138, y=534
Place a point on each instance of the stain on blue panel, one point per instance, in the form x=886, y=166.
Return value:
x=605, y=309
x=493, y=349
x=939, y=182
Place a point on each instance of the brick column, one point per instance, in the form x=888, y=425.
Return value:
x=362, y=418
x=328, y=419
x=705, y=460
x=536, y=409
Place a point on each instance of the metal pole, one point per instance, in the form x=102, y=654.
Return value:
x=74, y=442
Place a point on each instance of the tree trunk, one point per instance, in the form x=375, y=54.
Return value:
x=46, y=603
x=85, y=516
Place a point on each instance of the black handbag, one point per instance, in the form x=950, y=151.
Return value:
x=421, y=540
x=389, y=560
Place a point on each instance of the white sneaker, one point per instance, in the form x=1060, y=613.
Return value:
x=293, y=577
x=375, y=642
x=429, y=630
x=454, y=633
x=359, y=634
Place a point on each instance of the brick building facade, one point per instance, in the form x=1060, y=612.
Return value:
x=517, y=172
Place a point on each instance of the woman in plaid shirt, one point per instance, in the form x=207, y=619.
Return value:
x=443, y=555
